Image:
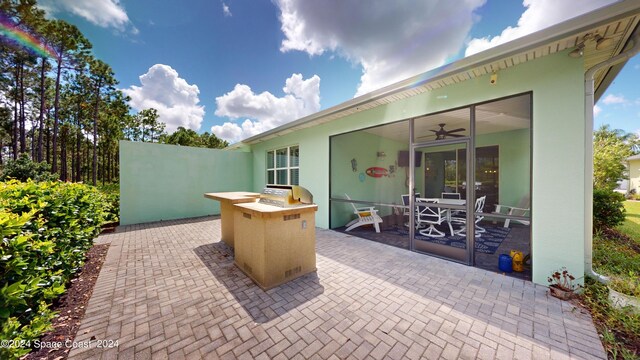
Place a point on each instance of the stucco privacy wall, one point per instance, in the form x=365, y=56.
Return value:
x=557, y=85
x=162, y=182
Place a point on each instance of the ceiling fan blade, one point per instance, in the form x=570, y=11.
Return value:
x=435, y=131
x=456, y=135
x=456, y=130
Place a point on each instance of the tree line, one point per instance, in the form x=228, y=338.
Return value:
x=65, y=109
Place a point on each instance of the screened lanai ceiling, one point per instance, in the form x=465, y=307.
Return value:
x=617, y=22
x=493, y=117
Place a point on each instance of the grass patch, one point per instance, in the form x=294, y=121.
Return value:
x=616, y=253
x=631, y=225
x=618, y=257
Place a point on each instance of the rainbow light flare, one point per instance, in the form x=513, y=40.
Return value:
x=9, y=30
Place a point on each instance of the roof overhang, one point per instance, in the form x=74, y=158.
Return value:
x=617, y=22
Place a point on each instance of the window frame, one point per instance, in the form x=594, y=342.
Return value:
x=287, y=168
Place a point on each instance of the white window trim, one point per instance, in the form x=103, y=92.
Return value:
x=288, y=167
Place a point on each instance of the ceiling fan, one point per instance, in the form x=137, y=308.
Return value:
x=442, y=133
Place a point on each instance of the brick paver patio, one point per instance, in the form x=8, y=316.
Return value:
x=170, y=290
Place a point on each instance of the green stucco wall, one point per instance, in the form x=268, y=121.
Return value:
x=363, y=147
x=514, y=165
x=163, y=182
x=557, y=85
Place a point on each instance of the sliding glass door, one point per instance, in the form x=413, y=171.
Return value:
x=369, y=183
x=440, y=204
x=455, y=184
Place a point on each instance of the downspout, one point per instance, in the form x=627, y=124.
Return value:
x=589, y=102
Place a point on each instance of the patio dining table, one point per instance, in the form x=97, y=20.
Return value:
x=452, y=201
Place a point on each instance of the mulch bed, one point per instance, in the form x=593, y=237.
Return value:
x=614, y=234
x=601, y=313
x=72, y=305
x=603, y=323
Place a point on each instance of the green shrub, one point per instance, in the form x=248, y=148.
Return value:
x=608, y=209
x=112, y=194
x=24, y=168
x=47, y=228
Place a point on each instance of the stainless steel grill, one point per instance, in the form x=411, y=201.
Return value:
x=286, y=196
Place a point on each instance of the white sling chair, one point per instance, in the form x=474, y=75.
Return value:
x=522, y=209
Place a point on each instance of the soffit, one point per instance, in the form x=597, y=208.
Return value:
x=497, y=116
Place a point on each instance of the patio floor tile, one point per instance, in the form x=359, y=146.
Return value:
x=171, y=290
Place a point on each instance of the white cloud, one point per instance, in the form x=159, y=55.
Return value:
x=104, y=13
x=392, y=40
x=539, y=15
x=266, y=111
x=614, y=99
x=596, y=110
x=164, y=90
x=225, y=10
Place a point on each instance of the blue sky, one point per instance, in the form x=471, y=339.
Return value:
x=243, y=66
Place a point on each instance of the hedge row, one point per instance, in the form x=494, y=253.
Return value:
x=46, y=229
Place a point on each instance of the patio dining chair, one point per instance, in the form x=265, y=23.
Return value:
x=429, y=215
x=364, y=216
x=450, y=195
x=462, y=218
x=405, y=202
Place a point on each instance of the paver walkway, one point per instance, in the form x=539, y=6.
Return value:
x=170, y=290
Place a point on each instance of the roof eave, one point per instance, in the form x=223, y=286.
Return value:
x=556, y=32
x=613, y=71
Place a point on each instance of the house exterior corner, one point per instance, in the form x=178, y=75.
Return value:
x=557, y=138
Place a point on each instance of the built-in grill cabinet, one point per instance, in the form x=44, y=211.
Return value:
x=275, y=237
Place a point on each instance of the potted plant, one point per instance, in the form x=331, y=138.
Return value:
x=561, y=284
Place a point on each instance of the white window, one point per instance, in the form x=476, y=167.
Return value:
x=283, y=166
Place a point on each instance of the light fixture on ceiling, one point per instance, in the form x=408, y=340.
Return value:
x=494, y=78
x=601, y=44
x=578, y=51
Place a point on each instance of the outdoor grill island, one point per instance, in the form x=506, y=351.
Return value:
x=227, y=200
x=274, y=238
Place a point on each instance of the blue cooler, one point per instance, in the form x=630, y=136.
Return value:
x=505, y=263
